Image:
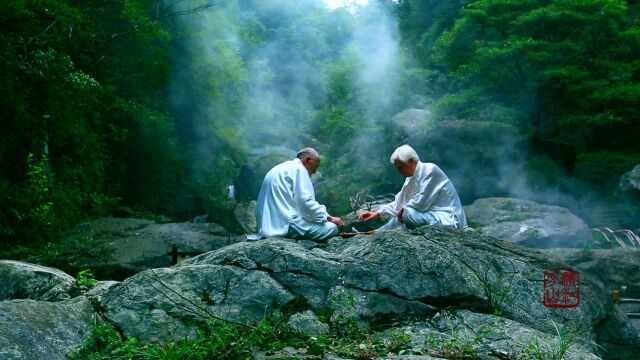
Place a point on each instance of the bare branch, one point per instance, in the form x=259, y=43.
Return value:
x=617, y=235
x=161, y=14
x=363, y=201
x=40, y=33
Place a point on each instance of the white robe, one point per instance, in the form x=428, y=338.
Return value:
x=429, y=190
x=287, y=199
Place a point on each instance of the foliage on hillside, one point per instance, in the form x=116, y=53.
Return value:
x=139, y=106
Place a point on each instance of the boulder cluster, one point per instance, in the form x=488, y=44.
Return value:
x=447, y=282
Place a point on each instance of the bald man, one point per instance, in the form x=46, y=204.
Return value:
x=287, y=206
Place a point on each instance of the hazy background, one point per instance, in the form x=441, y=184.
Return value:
x=153, y=109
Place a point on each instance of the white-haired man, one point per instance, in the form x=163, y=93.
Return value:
x=426, y=198
x=287, y=206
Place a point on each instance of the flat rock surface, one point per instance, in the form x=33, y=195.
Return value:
x=29, y=281
x=38, y=330
x=136, y=245
x=527, y=223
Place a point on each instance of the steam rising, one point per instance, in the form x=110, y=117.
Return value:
x=375, y=41
x=253, y=74
x=267, y=62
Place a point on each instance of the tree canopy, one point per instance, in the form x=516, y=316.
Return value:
x=139, y=107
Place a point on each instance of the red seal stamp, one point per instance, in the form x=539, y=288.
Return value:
x=561, y=288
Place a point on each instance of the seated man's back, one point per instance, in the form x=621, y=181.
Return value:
x=286, y=205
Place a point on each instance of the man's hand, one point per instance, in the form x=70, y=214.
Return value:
x=369, y=215
x=336, y=220
x=400, y=214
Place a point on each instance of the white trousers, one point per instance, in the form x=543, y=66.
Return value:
x=411, y=219
x=317, y=232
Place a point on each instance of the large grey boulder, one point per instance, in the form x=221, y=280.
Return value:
x=527, y=223
x=489, y=337
x=38, y=330
x=166, y=304
x=410, y=122
x=136, y=245
x=630, y=180
x=28, y=281
x=323, y=278
x=400, y=273
x=371, y=279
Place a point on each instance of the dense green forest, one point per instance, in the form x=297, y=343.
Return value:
x=153, y=108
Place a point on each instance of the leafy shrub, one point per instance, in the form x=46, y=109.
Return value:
x=86, y=279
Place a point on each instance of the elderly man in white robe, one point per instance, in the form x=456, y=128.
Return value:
x=427, y=197
x=287, y=206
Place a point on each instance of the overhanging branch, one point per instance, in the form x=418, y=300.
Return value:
x=159, y=14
